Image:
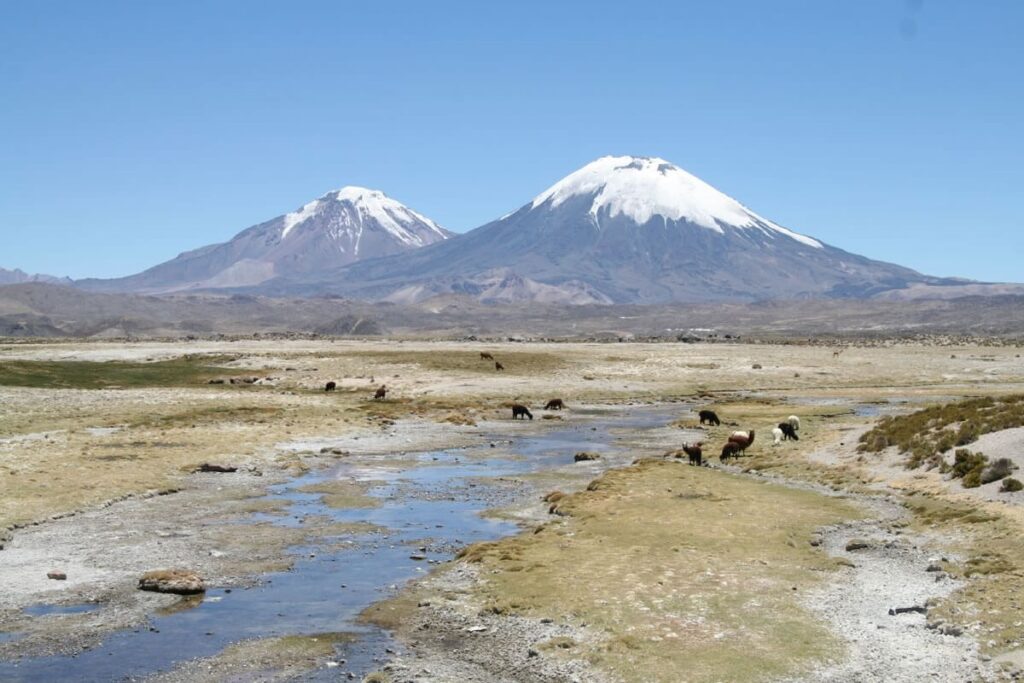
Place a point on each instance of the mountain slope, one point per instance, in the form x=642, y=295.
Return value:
x=339, y=228
x=18, y=276
x=626, y=230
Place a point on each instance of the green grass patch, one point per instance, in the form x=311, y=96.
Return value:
x=185, y=371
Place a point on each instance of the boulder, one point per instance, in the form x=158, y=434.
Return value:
x=583, y=456
x=857, y=544
x=56, y=575
x=177, y=581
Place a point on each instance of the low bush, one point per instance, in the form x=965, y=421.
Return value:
x=1010, y=485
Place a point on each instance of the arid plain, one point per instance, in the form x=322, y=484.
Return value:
x=782, y=564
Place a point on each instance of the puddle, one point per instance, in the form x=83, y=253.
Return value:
x=435, y=506
x=44, y=610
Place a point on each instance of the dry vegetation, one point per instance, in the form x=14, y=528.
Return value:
x=926, y=434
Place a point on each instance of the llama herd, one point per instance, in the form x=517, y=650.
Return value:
x=736, y=444
x=738, y=441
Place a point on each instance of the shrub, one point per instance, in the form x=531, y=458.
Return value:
x=972, y=479
x=999, y=469
x=1010, y=485
x=965, y=462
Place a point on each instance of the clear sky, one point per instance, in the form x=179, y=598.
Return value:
x=131, y=131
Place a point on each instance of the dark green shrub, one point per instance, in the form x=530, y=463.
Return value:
x=1010, y=485
x=998, y=469
x=965, y=462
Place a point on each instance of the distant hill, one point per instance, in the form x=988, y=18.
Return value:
x=46, y=310
x=17, y=276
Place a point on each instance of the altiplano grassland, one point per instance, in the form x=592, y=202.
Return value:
x=677, y=572
x=690, y=574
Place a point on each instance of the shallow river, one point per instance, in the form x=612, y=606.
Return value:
x=427, y=512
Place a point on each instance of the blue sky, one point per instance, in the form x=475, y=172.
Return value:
x=131, y=131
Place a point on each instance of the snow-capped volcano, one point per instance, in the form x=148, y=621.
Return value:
x=338, y=228
x=346, y=212
x=622, y=229
x=641, y=188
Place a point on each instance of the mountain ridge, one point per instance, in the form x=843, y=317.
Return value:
x=627, y=230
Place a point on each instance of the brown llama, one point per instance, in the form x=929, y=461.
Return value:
x=330, y=386
x=381, y=393
x=486, y=356
x=555, y=404
x=742, y=439
x=521, y=411
x=693, y=450
x=498, y=366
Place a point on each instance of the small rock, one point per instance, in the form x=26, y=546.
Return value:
x=417, y=556
x=857, y=544
x=212, y=467
x=177, y=581
x=532, y=653
x=951, y=630
x=934, y=567
x=583, y=456
x=57, y=575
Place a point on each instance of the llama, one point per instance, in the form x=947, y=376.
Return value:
x=498, y=366
x=742, y=439
x=381, y=393
x=709, y=417
x=693, y=450
x=794, y=422
x=787, y=431
x=486, y=356
x=777, y=435
x=555, y=404
x=330, y=386
x=521, y=411
x=729, y=450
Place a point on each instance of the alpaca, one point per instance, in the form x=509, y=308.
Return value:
x=521, y=411
x=729, y=450
x=498, y=366
x=794, y=422
x=330, y=386
x=486, y=356
x=693, y=450
x=555, y=404
x=709, y=417
x=777, y=436
x=787, y=431
x=380, y=393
